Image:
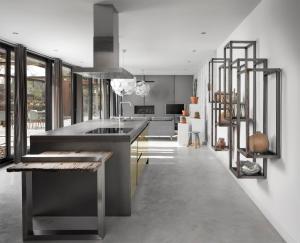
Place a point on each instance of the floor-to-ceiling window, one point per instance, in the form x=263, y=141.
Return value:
x=6, y=102
x=86, y=100
x=12, y=99
x=96, y=99
x=67, y=95
x=3, y=103
x=36, y=96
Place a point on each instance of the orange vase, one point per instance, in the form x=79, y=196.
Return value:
x=194, y=100
x=185, y=113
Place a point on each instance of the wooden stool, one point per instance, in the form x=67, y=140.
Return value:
x=196, y=143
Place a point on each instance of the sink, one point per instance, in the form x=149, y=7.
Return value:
x=110, y=130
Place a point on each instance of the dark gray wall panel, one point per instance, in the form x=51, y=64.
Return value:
x=161, y=93
x=183, y=89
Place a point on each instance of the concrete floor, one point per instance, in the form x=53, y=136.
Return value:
x=185, y=195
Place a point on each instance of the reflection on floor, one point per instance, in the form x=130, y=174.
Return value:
x=185, y=195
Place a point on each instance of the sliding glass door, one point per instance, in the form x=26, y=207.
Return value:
x=36, y=96
x=67, y=95
x=6, y=103
x=96, y=99
x=3, y=104
x=86, y=99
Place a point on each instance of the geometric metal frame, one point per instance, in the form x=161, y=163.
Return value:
x=215, y=106
x=245, y=65
x=245, y=151
x=232, y=46
x=266, y=72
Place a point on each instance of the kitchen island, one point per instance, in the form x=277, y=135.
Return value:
x=121, y=173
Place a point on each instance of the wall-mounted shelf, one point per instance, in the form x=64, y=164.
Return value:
x=216, y=106
x=268, y=154
x=240, y=175
x=239, y=72
x=226, y=148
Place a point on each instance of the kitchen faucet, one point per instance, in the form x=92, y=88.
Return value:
x=120, y=106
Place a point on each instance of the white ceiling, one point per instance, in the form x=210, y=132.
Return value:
x=159, y=35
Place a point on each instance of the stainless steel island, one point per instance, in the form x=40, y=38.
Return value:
x=121, y=172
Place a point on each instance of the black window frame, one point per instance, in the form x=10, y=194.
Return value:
x=8, y=155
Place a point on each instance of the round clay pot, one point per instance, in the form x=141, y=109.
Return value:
x=185, y=113
x=221, y=143
x=197, y=115
x=258, y=143
x=224, y=118
x=217, y=96
x=182, y=119
x=194, y=100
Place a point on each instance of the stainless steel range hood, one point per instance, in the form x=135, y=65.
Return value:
x=106, y=46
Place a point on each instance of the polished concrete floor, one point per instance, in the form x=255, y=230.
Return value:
x=185, y=196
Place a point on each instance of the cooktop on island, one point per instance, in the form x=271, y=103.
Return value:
x=109, y=130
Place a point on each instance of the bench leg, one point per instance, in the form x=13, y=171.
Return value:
x=101, y=200
x=27, y=205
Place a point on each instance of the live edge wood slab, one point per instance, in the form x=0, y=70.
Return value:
x=53, y=161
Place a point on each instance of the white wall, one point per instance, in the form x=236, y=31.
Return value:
x=275, y=25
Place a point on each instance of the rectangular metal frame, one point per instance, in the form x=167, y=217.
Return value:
x=266, y=72
x=29, y=233
x=215, y=106
x=231, y=46
x=243, y=66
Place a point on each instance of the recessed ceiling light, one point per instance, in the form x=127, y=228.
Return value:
x=203, y=33
x=15, y=33
x=194, y=50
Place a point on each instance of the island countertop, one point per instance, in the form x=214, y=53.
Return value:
x=81, y=129
x=81, y=185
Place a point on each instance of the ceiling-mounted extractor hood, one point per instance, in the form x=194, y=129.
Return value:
x=106, y=46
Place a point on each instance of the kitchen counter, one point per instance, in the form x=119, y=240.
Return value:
x=80, y=187
x=81, y=129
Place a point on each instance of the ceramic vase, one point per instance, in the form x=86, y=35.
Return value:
x=194, y=100
x=221, y=143
x=185, y=113
x=258, y=143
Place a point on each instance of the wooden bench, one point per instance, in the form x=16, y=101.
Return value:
x=56, y=162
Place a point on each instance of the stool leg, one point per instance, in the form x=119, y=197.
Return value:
x=190, y=140
x=197, y=141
